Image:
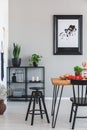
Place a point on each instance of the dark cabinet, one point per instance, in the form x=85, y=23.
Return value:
x=20, y=79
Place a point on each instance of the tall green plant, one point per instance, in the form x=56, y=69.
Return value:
x=16, y=50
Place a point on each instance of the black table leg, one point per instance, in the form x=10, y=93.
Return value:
x=55, y=113
x=55, y=94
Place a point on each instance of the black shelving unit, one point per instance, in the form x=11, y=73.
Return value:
x=19, y=90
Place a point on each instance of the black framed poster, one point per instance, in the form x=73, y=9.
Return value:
x=67, y=34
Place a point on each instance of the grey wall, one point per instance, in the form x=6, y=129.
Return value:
x=31, y=25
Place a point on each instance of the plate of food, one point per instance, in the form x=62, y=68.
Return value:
x=65, y=76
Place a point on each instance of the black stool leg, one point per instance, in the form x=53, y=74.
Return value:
x=45, y=109
x=32, y=120
x=40, y=108
x=28, y=109
x=71, y=113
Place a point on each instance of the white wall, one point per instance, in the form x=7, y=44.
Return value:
x=31, y=25
x=4, y=34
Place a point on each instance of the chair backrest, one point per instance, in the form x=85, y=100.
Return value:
x=80, y=91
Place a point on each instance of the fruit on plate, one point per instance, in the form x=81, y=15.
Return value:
x=65, y=76
x=62, y=77
x=70, y=77
x=75, y=77
x=78, y=77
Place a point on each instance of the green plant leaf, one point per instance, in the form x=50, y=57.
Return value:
x=78, y=69
x=35, y=58
x=16, y=50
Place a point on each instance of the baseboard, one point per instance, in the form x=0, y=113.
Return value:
x=63, y=98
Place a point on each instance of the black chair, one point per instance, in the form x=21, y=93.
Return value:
x=79, y=98
x=37, y=97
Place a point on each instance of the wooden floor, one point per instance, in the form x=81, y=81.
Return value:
x=14, y=118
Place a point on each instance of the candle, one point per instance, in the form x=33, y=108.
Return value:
x=33, y=78
x=37, y=78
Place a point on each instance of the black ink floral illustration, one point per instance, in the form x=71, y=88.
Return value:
x=70, y=31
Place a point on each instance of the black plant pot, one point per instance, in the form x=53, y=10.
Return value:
x=16, y=62
x=34, y=64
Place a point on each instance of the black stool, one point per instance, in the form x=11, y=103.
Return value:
x=37, y=97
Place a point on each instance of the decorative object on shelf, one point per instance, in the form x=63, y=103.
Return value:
x=84, y=64
x=78, y=70
x=35, y=59
x=3, y=94
x=16, y=61
x=33, y=78
x=37, y=78
x=19, y=75
x=14, y=78
x=67, y=34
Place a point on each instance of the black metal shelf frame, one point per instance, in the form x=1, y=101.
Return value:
x=27, y=82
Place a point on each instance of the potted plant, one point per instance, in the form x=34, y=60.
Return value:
x=78, y=70
x=35, y=59
x=16, y=61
